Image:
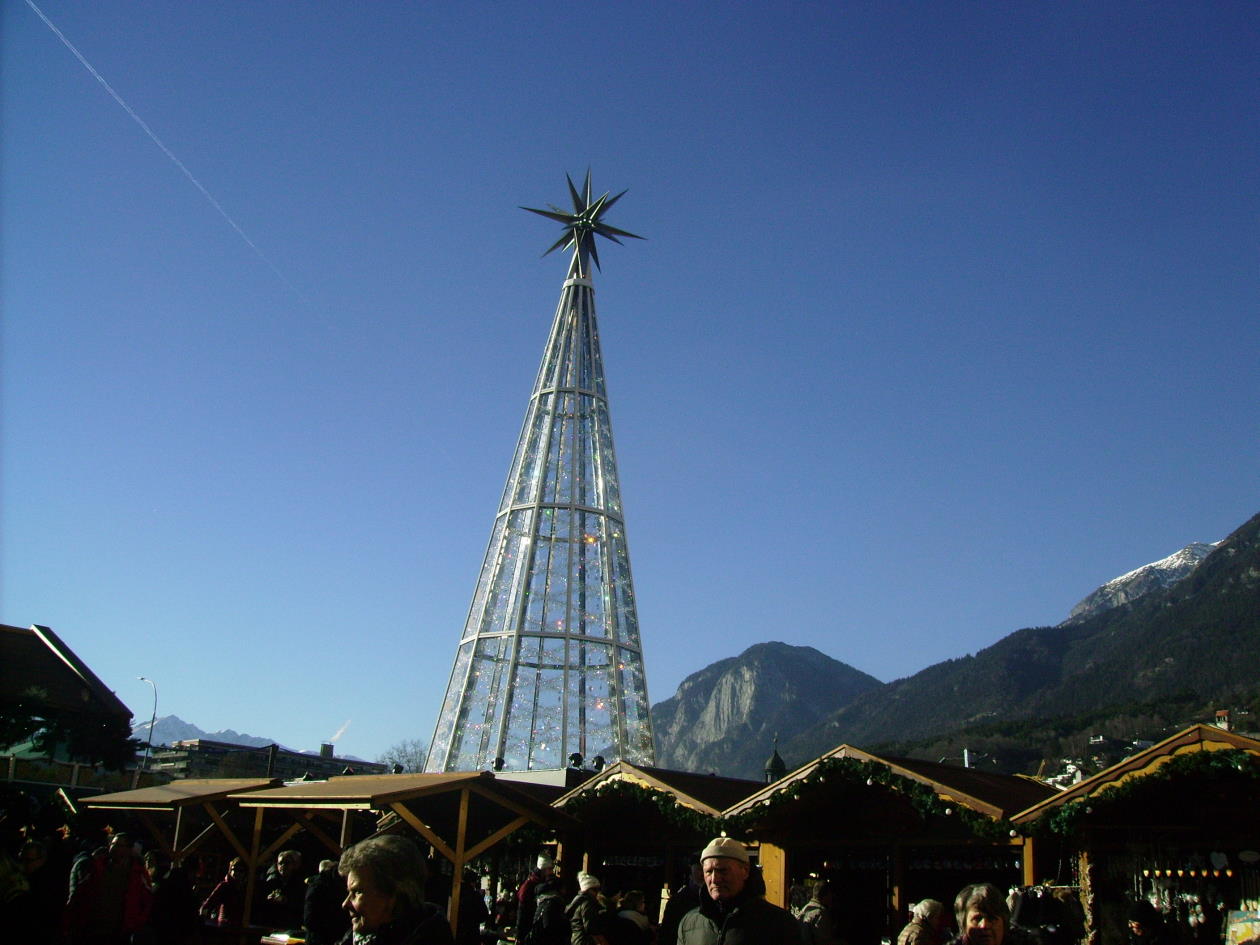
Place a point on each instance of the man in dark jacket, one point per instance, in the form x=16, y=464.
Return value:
x=322, y=916
x=734, y=914
x=285, y=889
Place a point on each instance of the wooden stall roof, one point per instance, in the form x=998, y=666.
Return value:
x=38, y=658
x=382, y=791
x=180, y=793
x=989, y=793
x=1193, y=739
x=706, y=793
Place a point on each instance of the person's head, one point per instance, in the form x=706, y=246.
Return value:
x=327, y=865
x=1143, y=918
x=822, y=892
x=634, y=901
x=982, y=914
x=155, y=864
x=33, y=856
x=385, y=877
x=726, y=868
x=697, y=874
x=588, y=884
x=236, y=870
x=929, y=911
x=545, y=864
x=120, y=849
x=288, y=862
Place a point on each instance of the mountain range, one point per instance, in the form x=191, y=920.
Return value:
x=171, y=728
x=1183, y=632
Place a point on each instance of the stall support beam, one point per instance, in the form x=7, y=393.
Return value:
x=774, y=871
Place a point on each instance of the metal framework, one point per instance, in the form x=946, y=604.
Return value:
x=550, y=662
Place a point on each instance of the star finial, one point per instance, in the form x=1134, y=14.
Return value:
x=583, y=224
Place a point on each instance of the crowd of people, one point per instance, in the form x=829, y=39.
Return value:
x=61, y=890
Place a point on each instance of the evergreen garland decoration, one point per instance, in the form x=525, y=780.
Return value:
x=926, y=802
x=1229, y=765
x=676, y=814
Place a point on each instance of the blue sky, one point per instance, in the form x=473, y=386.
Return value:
x=947, y=314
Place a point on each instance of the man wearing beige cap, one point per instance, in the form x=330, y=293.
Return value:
x=734, y=914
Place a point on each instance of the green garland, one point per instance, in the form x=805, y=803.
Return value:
x=925, y=801
x=676, y=814
x=1225, y=765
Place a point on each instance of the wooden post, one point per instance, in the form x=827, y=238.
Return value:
x=1030, y=866
x=251, y=881
x=346, y=832
x=774, y=872
x=897, y=901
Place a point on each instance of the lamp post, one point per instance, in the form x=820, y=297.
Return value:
x=152, y=721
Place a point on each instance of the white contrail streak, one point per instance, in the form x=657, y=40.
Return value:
x=165, y=150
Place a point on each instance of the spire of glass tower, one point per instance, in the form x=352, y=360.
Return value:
x=550, y=662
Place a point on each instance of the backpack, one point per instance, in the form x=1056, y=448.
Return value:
x=550, y=925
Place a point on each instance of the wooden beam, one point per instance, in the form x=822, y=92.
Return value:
x=346, y=832
x=196, y=841
x=773, y=861
x=227, y=831
x=252, y=860
x=179, y=829
x=318, y=831
x=150, y=826
x=281, y=840
x=457, y=864
x=423, y=829
x=476, y=850
x=505, y=802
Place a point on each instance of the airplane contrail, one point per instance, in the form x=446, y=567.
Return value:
x=165, y=150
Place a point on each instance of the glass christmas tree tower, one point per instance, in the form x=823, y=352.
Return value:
x=550, y=663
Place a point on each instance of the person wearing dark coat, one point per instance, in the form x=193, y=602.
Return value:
x=472, y=910
x=322, y=916
x=734, y=913
x=385, y=878
x=173, y=918
x=684, y=899
x=284, y=889
x=586, y=913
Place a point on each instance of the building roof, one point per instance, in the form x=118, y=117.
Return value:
x=706, y=793
x=37, y=659
x=179, y=793
x=994, y=795
x=1196, y=738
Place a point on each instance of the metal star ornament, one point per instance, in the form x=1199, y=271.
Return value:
x=584, y=223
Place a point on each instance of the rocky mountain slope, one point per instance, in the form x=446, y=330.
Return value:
x=1141, y=581
x=1188, y=625
x=725, y=717
x=1200, y=636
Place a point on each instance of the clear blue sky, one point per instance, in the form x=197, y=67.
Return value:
x=947, y=314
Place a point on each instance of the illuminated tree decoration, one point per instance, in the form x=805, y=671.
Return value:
x=550, y=661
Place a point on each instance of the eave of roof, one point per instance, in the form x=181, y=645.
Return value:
x=180, y=793
x=706, y=794
x=1193, y=739
x=993, y=795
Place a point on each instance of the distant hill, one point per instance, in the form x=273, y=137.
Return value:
x=1198, y=639
x=725, y=717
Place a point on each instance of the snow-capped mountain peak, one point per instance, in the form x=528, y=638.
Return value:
x=1149, y=577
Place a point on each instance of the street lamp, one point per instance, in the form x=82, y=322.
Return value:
x=152, y=721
